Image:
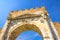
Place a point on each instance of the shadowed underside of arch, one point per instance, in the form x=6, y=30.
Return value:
x=23, y=28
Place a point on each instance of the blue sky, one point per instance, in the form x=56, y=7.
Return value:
x=29, y=35
x=52, y=6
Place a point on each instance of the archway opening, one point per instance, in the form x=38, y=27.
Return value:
x=29, y=35
x=18, y=30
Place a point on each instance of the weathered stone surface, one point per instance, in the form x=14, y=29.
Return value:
x=56, y=25
x=33, y=19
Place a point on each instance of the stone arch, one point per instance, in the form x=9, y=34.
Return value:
x=23, y=28
x=39, y=19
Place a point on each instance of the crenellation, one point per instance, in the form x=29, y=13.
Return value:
x=31, y=11
x=26, y=11
x=16, y=13
x=43, y=9
x=37, y=9
x=13, y=14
